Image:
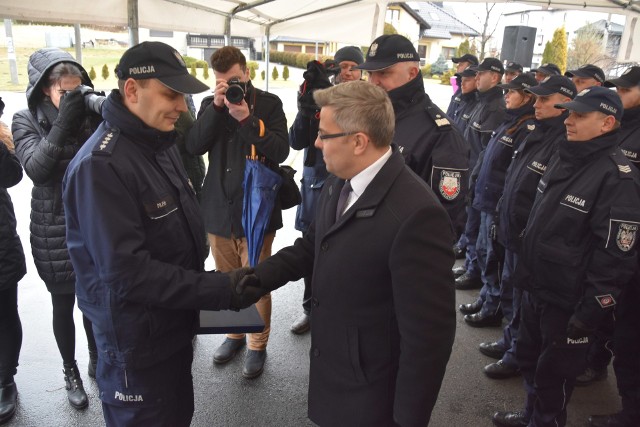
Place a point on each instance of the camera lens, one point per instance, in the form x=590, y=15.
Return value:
x=234, y=93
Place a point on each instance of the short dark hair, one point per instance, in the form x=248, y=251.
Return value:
x=224, y=58
x=62, y=70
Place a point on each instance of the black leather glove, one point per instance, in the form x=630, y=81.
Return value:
x=576, y=329
x=316, y=77
x=70, y=115
x=245, y=288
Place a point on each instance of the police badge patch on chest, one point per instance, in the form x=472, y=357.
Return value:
x=450, y=184
x=626, y=236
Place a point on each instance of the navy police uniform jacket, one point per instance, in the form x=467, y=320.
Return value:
x=528, y=165
x=497, y=157
x=302, y=136
x=579, y=248
x=484, y=119
x=630, y=135
x=455, y=99
x=432, y=147
x=461, y=111
x=228, y=143
x=382, y=311
x=136, y=241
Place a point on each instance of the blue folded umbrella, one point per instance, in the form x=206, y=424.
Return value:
x=261, y=185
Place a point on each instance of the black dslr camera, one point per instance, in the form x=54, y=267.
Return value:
x=92, y=100
x=235, y=91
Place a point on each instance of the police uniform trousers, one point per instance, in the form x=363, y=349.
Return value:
x=549, y=361
x=510, y=298
x=468, y=240
x=488, y=253
x=233, y=253
x=160, y=395
x=627, y=349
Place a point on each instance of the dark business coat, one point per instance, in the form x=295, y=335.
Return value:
x=383, y=316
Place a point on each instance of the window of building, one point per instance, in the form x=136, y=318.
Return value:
x=448, y=52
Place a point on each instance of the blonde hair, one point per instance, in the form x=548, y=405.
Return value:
x=360, y=107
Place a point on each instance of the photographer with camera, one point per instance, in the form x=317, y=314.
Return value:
x=302, y=136
x=47, y=135
x=236, y=117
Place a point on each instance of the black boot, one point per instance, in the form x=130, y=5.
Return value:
x=75, y=391
x=8, y=400
x=93, y=363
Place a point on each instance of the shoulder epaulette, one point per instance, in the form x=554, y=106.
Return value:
x=106, y=143
x=439, y=118
x=625, y=168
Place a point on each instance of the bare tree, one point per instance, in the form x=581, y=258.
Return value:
x=486, y=32
x=587, y=48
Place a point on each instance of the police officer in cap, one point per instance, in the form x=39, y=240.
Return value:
x=462, y=63
x=545, y=71
x=511, y=71
x=586, y=76
x=432, y=147
x=466, y=100
x=136, y=241
x=627, y=327
x=579, y=248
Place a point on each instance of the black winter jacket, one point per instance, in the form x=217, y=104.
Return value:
x=527, y=166
x=432, y=147
x=45, y=162
x=497, y=157
x=579, y=248
x=462, y=109
x=228, y=144
x=12, y=263
x=484, y=119
x=630, y=135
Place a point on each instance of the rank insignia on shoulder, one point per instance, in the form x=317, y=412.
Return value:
x=606, y=300
x=624, y=168
x=438, y=118
x=531, y=127
x=106, y=141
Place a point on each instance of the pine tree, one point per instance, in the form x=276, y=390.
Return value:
x=555, y=51
x=285, y=73
x=252, y=73
x=105, y=72
x=463, y=48
x=274, y=73
x=92, y=74
x=205, y=71
x=262, y=74
x=193, y=69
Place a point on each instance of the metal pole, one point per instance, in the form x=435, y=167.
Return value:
x=78, y=42
x=132, y=18
x=11, y=53
x=266, y=57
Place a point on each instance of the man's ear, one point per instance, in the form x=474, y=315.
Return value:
x=362, y=142
x=609, y=124
x=131, y=89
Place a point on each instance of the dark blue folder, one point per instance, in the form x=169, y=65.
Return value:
x=230, y=322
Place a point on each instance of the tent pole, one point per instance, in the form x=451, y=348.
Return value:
x=266, y=56
x=78, y=42
x=132, y=18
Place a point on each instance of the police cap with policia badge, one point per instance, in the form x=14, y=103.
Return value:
x=388, y=50
x=157, y=60
x=596, y=98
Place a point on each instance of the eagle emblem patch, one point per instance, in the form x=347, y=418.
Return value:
x=626, y=236
x=450, y=184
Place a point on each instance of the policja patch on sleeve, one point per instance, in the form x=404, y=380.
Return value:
x=449, y=184
x=626, y=236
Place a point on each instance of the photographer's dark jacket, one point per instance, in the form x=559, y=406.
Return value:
x=486, y=116
x=12, y=264
x=630, y=135
x=228, y=144
x=432, y=147
x=136, y=241
x=579, y=248
x=497, y=157
x=45, y=162
x=302, y=136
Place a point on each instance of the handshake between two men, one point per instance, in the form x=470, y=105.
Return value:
x=245, y=288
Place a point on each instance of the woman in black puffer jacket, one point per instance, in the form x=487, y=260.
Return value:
x=47, y=136
x=12, y=269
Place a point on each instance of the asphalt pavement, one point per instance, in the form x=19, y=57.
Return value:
x=278, y=397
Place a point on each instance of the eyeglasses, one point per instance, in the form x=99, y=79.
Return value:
x=334, y=135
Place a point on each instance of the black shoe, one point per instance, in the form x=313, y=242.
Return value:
x=479, y=321
x=8, y=401
x=612, y=420
x=459, y=252
x=459, y=271
x=510, y=419
x=254, y=363
x=590, y=376
x=471, y=308
x=93, y=364
x=499, y=370
x=467, y=281
x=228, y=350
x=301, y=325
x=75, y=390
x=492, y=349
